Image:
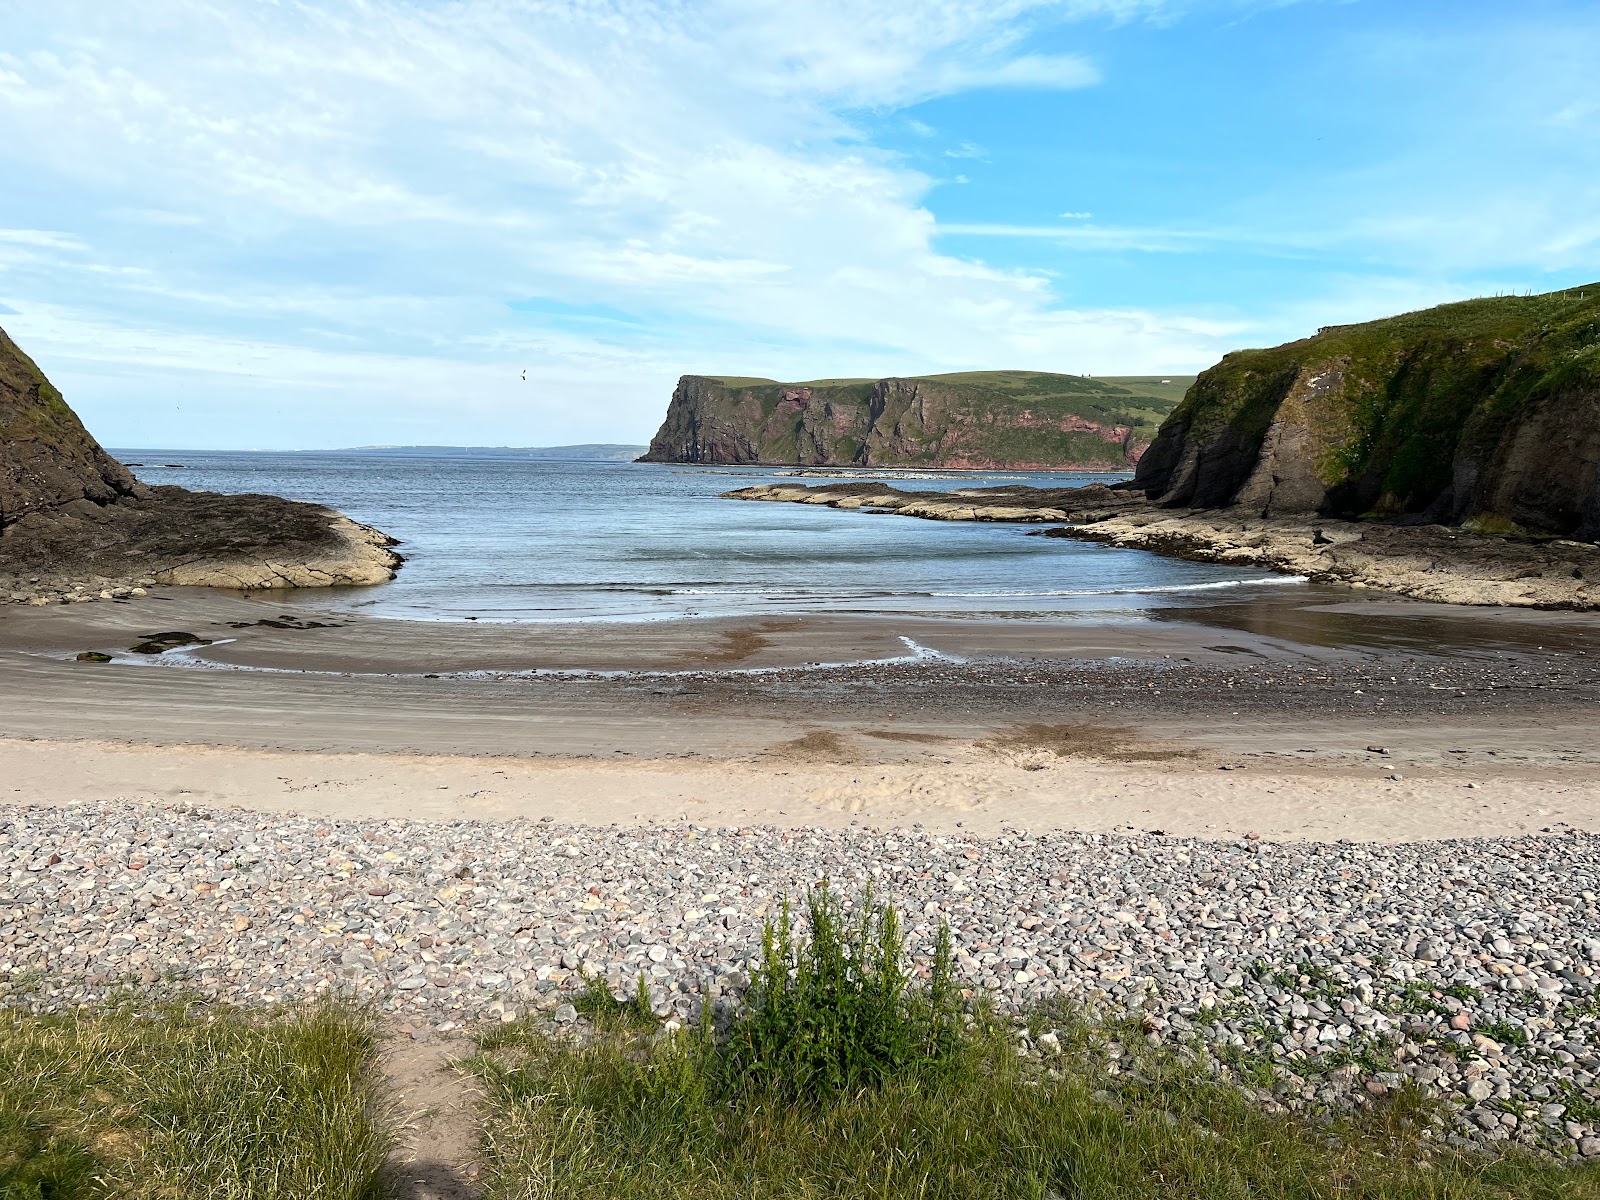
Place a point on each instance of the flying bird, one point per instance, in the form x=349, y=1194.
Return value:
x=524, y=377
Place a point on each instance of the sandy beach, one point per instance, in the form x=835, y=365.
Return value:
x=1218, y=721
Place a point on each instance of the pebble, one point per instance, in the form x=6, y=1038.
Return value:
x=41, y=594
x=1465, y=966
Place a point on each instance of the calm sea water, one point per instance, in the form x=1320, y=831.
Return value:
x=507, y=539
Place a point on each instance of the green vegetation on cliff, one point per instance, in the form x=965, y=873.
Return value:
x=47, y=458
x=1485, y=411
x=966, y=419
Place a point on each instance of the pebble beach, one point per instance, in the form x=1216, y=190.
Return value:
x=1467, y=967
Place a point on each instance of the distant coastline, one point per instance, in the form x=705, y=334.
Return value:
x=588, y=451
x=585, y=452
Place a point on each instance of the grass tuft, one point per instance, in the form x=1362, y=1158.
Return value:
x=189, y=1103
x=605, y=1011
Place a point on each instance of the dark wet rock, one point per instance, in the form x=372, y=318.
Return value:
x=71, y=515
x=160, y=643
x=1428, y=562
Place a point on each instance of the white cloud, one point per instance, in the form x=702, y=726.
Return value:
x=334, y=205
x=1104, y=237
x=42, y=239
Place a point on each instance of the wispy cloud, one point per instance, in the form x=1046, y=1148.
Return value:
x=336, y=204
x=323, y=193
x=43, y=239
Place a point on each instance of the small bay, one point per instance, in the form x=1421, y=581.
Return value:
x=505, y=538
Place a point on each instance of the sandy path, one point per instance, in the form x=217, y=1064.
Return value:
x=954, y=786
x=437, y=1108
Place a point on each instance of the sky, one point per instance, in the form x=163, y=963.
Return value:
x=273, y=224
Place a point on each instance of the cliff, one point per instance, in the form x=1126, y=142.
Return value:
x=47, y=458
x=74, y=521
x=982, y=419
x=1484, y=414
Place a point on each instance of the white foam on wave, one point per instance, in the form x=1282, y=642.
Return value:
x=184, y=657
x=1153, y=590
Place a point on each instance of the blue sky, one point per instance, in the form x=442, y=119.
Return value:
x=298, y=225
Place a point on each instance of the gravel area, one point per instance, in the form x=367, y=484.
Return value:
x=1467, y=966
x=1402, y=685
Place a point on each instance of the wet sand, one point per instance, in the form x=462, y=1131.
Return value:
x=1224, y=719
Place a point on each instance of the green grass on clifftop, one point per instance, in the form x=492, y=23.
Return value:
x=1140, y=401
x=1416, y=387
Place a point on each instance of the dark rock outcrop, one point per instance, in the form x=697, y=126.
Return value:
x=70, y=514
x=1427, y=562
x=984, y=419
x=1484, y=413
x=47, y=458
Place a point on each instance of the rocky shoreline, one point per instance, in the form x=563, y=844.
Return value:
x=85, y=551
x=1426, y=562
x=1317, y=975
x=75, y=525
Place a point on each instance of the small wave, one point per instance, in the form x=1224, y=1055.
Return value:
x=1125, y=591
x=185, y=657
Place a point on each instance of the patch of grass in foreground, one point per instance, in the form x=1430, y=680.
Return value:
x=189, y=1103
x=912, y=1106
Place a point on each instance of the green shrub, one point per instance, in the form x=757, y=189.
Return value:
x=837, y=1012
x=618, y=1119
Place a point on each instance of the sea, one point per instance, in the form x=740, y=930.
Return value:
x=501, y=538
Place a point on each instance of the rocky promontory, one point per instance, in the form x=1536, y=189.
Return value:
x=977, y=419
x=1483, y=414
x=1426, y=562
x=76, y=524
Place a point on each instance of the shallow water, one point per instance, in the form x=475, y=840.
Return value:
x=508, y=539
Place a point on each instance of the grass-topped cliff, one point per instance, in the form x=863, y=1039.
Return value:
x=1485, y=412
x=969, y=419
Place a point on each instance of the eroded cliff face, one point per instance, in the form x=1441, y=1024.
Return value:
x=47, y=458
x=73, y=520
x=1484, y=413
x=980, y=420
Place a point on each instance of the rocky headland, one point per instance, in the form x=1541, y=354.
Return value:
x=76, y=525
x=1449, y=455
x=977, y=419
x=1483, y=415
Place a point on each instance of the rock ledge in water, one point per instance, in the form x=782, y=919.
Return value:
x=76, y=525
